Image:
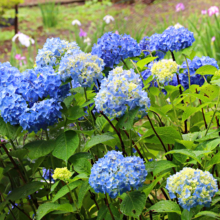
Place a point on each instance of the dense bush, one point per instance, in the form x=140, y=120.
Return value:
x=120, y=133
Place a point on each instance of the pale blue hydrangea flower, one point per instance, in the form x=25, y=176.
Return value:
x=192, y=187
x=115, y=174
x=83, y=68
x=122, y=88
x=53, y=50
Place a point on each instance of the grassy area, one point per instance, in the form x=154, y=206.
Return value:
x=138, y=20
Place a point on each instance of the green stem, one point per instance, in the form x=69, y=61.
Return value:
x=47, y=136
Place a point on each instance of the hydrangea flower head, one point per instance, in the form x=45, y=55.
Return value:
x=195, y=64
x=113, y=48
x=122, y=88
x=147, y=45
x=41, y=115
x=52, y=52
x=163, y=70
x=175, y=38
x=62, y=174
x=115, y=174
x=193, y=187
x=84, y=68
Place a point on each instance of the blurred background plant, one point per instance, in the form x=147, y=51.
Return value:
x=137, y=19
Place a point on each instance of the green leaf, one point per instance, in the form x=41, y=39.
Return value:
x=145, y=61
x=49, y=207
x=154, y=91
x=206, y=70
x=64, y=190
x=186, y=215
x=82, y=192
x=2, y=216
x=101, y=122
x=106, y=138
x=209, y=214
x=215, y=200
x=24, y=191
x=133, y=204
x=187, y=51
x=38, y=149
x=66, y=144
x=153, y=184
x=165, y=206
x=8, y=130
x=19, y=153
x=53, y=187
x=186, y=152
x=167, y=135
x=127, y=121
x=214, y=160
x=1, y=172
x=82, y=165
x=104, y=213
x=37, y=163
x=189, y=111
x=75, y=112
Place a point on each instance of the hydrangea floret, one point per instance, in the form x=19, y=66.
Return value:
x=193, y=187
x=83, y=68
x=122, y=89
x=163, y=70
x=113, y=48
x=62, y=174
x=115, y=174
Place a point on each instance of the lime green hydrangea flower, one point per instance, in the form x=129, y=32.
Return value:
x=163, y=70
x=217, y=73
x=62, y=174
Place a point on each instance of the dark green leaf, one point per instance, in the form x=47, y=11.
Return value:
x=127, y=121
x=38, y=149
x=66, y=144
x=75, y=112
x=209, y=214
x=81, y=165
x=214, y=160
x=133, y=204
x=82, y=192
x=19, y=153
x=165, y=206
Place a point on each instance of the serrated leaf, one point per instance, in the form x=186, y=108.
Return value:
x=208, y=213
x=49, y=207
x=206, y=70
x=165, y=206
x=189, y=112
x=66, y=144
x=82, y=165
x=98, y=139
x=75, y=112
x=133, y=204
x=126, y=122
x=38, y=149
x=64, y=190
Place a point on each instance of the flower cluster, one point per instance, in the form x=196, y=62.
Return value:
x=147, y=46
x=113, y=48
x=115, y=174
x=121, y=89
x=47, y=175
x=174, y=38
x=21, y=97
x=83, y=68
x=193, y=187
x=195, y=64
x=52, y=52
x=62, y=174
x=163, y=70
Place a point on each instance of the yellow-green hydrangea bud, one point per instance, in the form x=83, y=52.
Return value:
x=163, y=70
x=62, y=174
x=217, y=73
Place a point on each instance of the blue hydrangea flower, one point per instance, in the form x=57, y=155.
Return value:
x=147, y=46
x=52, y=52
x=41, y=115
x=115, y=174
x=83, y=68
x=113, y=48
x=195, y=64
x=174, y=38
x=47, y=174
x=193, y=187
x=122, y=88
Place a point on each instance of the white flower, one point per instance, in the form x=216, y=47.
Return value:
x=108, y=19
x=74, y=22
x=177, y=26
x=23, y=39
x=87, y=41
